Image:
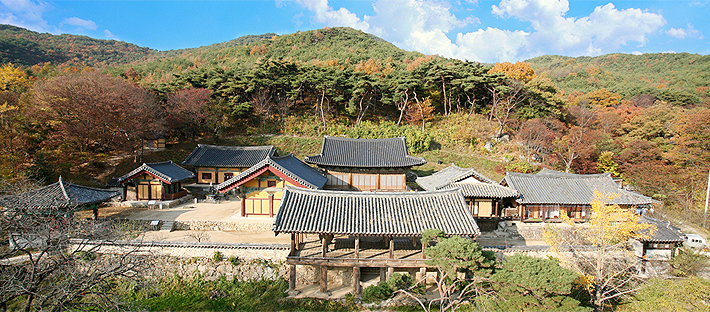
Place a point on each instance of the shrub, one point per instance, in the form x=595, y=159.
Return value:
x=234, y=260
x=520, y=166
x=379, y=292
x=217, y=257
x=688, y=262
x=384, y=290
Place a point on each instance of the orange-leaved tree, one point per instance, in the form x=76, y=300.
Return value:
x=599, y=250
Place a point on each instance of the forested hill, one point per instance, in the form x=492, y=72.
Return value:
x=339, y=45
x=25, y=47
x=679, y=78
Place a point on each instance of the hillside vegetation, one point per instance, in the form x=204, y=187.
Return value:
x=642, y=118
x=677, y=78
x=24, y=47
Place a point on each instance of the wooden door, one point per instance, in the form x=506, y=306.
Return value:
x=143, y=192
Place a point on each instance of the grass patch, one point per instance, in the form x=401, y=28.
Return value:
x=197, y=294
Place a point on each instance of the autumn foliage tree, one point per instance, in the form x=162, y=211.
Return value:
x=186, y=110
x=91, y=111
x=599, y=250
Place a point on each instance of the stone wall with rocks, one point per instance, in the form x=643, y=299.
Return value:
x=209, y=269
x=222, y=226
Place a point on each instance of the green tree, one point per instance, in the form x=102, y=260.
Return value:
x=462, y=266
x=527, y=283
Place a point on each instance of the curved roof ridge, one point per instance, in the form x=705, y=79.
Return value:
x=236, y=146
x=364, y=153
x=365, y=193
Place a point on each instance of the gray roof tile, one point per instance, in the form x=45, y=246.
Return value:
x=364, y=153
x=373, y=213
x=457, y=177
x=57, y=196
x=663, y=233
x=288, y=165
x=483, y=190
x=167, y=171
x=228, y=156
x=568, y=188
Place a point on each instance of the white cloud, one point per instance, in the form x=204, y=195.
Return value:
x=326, y=15
x=425, y=26
x=26, y=14
x=75, y=21
x=109, y=35
x=605, y=30
x=681, y=33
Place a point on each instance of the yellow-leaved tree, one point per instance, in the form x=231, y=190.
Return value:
x=599, y=250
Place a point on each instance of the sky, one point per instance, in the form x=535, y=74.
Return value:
x=474, y=30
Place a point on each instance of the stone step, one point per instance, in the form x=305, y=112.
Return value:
x=167, y=226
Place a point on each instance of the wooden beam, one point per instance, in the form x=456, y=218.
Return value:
x=362, y=262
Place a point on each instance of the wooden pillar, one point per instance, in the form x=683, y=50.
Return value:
x=271, y=205
x=292, y=278
x=391, y=241
x=383, y=274
x=324, y=245
x=96, y=212
x=423, y=248
x=357, y=250
x=323, y=279
x=390, y=271
x=422, y=274
x=293, y=245
x=243, y=202
x=357, y=288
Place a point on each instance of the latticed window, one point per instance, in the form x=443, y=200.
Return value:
x=392, y=181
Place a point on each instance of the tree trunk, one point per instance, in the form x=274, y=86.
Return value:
x=322, y=114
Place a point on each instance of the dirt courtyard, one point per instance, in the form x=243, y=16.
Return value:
x=229, y=211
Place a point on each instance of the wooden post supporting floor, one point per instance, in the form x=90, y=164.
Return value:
x=383, y=274
x=390, y=271
x=323, y=279
x=422, y=274
x=292, y=279
x=357, y=288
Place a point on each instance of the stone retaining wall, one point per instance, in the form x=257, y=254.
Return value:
x=222, y=226
x=209, y=269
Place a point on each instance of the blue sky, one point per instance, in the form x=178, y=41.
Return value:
x=475, y=30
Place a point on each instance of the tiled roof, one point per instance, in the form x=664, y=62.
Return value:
x=57, y=196
x=448, y=175
x=663, y=233
x=167, y=171
x=364, y=153
x=483, y=190
x=470, y=181
x=373, y=213
x=568, y=188
x=288, y=165
x=228, y=156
